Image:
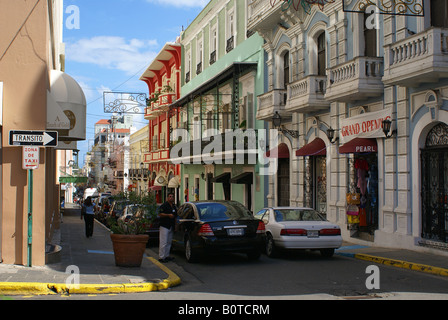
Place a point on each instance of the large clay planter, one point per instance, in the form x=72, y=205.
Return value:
x=129, y=249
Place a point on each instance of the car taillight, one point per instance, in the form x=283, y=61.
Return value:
x=206, y=231
x=293, y=232
x=330, y=232
x=261, y=228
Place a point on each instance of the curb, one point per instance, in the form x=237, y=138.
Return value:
x=31, y=288
x=398, y=263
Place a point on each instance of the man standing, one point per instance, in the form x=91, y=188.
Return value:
x=167, y=215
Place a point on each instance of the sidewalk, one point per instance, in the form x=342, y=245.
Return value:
x=400, y=258
x=98, y=273
x=96, y=263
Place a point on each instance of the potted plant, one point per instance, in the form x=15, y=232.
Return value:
x=128, y=232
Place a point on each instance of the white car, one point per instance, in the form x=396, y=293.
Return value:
x=299, y=228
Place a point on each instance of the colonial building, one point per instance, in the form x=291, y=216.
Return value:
x=222, y=73
x=360, y=100
x=163, y=79
x=110, y=154
x=138, y=172
x=35, y=94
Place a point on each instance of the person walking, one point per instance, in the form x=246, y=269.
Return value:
x=167, y=215
x=88, y=212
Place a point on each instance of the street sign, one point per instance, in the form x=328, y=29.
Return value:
x=30, y=159
x=33, y=138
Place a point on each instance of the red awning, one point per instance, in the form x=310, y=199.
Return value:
x=280, y=152
x=315, y=148
x=155, y=188
x=359, y=145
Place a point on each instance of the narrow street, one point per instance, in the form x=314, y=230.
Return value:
x=293, y=276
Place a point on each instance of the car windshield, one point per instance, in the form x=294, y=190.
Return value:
x=217, y=211
x=297, y=215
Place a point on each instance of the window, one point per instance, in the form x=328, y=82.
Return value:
x=231, y=25
x=230, y=31
x=246, y=112
x=199, y=57
x=370, y=43
x=321, y=55
x=286, y=69
x=213, y=45
x=439, y=13
x=187, y=66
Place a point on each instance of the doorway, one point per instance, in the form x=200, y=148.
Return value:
x=283, y=182
x=434, y=193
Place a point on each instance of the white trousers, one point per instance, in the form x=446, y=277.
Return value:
x=165, y=239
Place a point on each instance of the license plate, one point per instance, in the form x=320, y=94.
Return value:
x=312, y=233
x=235, y=232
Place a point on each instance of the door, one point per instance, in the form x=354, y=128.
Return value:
x=434, y=164
x=320, y=188
x=283, y=182
x=184, y=223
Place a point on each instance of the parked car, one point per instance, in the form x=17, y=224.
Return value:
x=213, y=227
x=299, y=228
x=116, y=210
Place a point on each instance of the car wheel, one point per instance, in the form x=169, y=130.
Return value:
x=271, y=249
x=327, y=253
x=190, y=254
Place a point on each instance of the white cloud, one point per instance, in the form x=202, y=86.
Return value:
x=181, y=3
x=113, y=52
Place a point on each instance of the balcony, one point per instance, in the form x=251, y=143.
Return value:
x=199, y=68
x=420, y=58
x=239, y=146
x=358, y=79
x=271, y=102
x=213, y=57
x=162, y=105
x=159, y=150
x=262, y=15
x=307, y=95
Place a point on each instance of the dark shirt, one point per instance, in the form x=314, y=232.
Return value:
x=166, y=208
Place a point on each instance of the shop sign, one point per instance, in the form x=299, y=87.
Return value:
x=366, y=125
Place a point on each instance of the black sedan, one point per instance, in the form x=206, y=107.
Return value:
x=210, y=227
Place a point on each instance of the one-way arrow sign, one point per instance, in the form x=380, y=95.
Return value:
x=33, y=138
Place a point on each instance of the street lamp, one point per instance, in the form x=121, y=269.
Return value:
x=277, y=122
x=387, y=124
x=330, y=135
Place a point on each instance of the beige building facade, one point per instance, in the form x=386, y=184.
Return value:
x=31, y=73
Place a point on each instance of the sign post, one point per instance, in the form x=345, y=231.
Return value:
x=30, y=162
x=31, y=141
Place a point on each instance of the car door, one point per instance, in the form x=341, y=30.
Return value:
x=184, y=223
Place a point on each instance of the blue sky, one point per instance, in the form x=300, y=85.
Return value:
x=115, y=42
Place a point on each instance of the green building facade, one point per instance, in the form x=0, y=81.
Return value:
x=222, y=75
